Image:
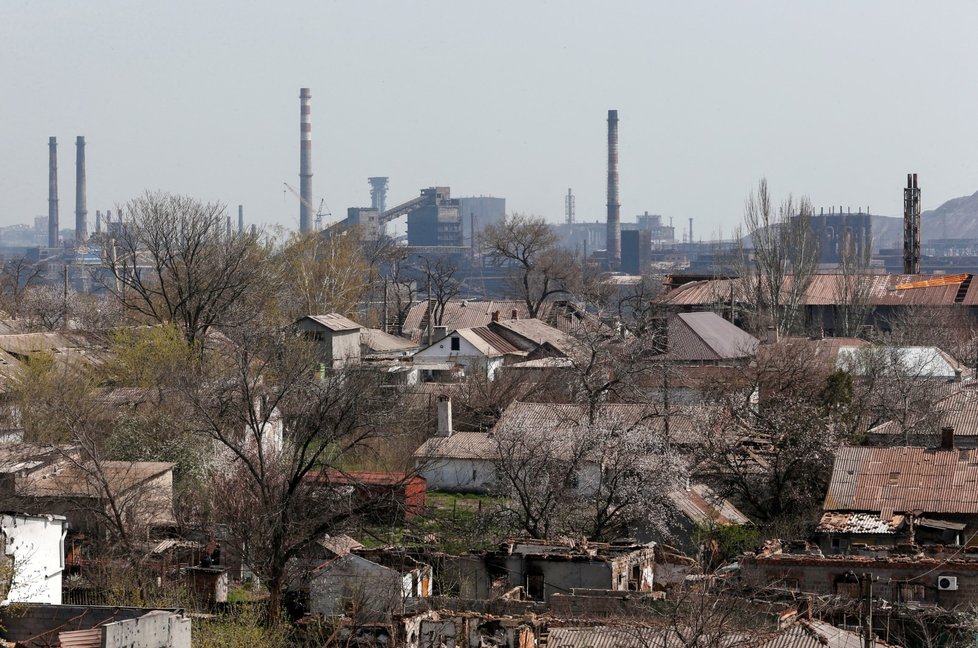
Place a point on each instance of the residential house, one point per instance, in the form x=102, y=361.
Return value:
x=355, y=587
x=466, y=352
x=897, y=495
x=376, y=344
x=956, y=411
x=336, y=337
x=704, y=338
x=465, y=461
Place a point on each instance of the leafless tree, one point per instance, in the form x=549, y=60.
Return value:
x=285, y=433
x=528, y=246
x=320, y=274
x=774, y=436
x=49, y=308
x=853, y=287
x=16, y=276
x=174, y=262
x=777, y=272
x=601, y=477
x=439, y=274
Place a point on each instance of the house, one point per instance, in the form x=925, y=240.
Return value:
x=34, y=557
x=956, y=411
x=336, y=337
x=464, y=352
x=356, y=587
x=704, y=338
x=57, y=479
x=465, y=461
x=376, y=344
x=545, y=568
x=393, y=496
x=899, y=495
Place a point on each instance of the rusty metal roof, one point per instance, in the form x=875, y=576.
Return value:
x=707, y=337
x=701, y=504
x=882, y=291
x=903, y=479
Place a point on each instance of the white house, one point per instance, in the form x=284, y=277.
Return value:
x=35, y=551
x=475, y=350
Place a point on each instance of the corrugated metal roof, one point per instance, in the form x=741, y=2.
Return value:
x=824, y=289
x=957, y=410
x=81, y=638
x=378, y=341
x=538, y=333
x=903, y=479
x=334, y=322
x=700, y=504
x=498, y=343
x=612, y=637
x=812, y=633
x=718, y=339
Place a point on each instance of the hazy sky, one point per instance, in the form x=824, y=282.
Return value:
x=834, y=99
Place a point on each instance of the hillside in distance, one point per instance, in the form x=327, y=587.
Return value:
x=956, y=218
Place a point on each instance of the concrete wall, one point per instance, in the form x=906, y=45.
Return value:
x=36, y=545
x=152, y=630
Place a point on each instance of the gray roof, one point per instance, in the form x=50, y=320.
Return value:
x=708, y=337
x=700, y=504
x=334, y=322
x=461, y=445
x=378, y=341
x=816, y=634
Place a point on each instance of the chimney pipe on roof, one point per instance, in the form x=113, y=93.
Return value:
x=495, y=316
x=516, y=314
x=947, y=438
x=445, y=416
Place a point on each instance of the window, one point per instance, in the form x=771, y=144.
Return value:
x=475, y=474
x=455, y=344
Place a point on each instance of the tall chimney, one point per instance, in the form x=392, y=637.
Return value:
x=52, y=192
x=445, y=416
x=614, y=206
x=240, y=219
x=305, y=161
x=98, y=222
x=229, y=230
x=81, y=210
x=690, y=230
x=911, y=226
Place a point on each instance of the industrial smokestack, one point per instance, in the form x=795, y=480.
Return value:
x=614, y=206
x=305, y=161
x=52, y=192
x=911, y=226
x=240, y=219
x=378, y=193
x=81, y=210
x=690, y=230
x=98, y=222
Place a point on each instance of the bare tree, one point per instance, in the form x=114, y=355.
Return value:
x=528, y=246
x=777, y=272
x=174, y=262
x=439, y=274
x=601, y=477
x=853, y=287
x=285, y=434
x=16, y=276
x=49, y=308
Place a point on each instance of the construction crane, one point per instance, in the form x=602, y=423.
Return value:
x=318, y=219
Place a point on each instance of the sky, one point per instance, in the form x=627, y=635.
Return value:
x=837, y=100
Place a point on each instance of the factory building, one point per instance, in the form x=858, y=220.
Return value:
x=436, y=221
x=478, y=212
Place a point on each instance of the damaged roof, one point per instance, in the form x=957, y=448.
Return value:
x=700, y=504
x=859, y=523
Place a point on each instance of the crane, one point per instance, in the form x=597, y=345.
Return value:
x=318, y=222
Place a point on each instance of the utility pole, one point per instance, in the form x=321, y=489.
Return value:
x=868, y=641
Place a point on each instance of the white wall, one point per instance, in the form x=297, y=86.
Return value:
x=36, y=545
x=469, y=475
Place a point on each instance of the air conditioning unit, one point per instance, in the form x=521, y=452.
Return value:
x=948, y=583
